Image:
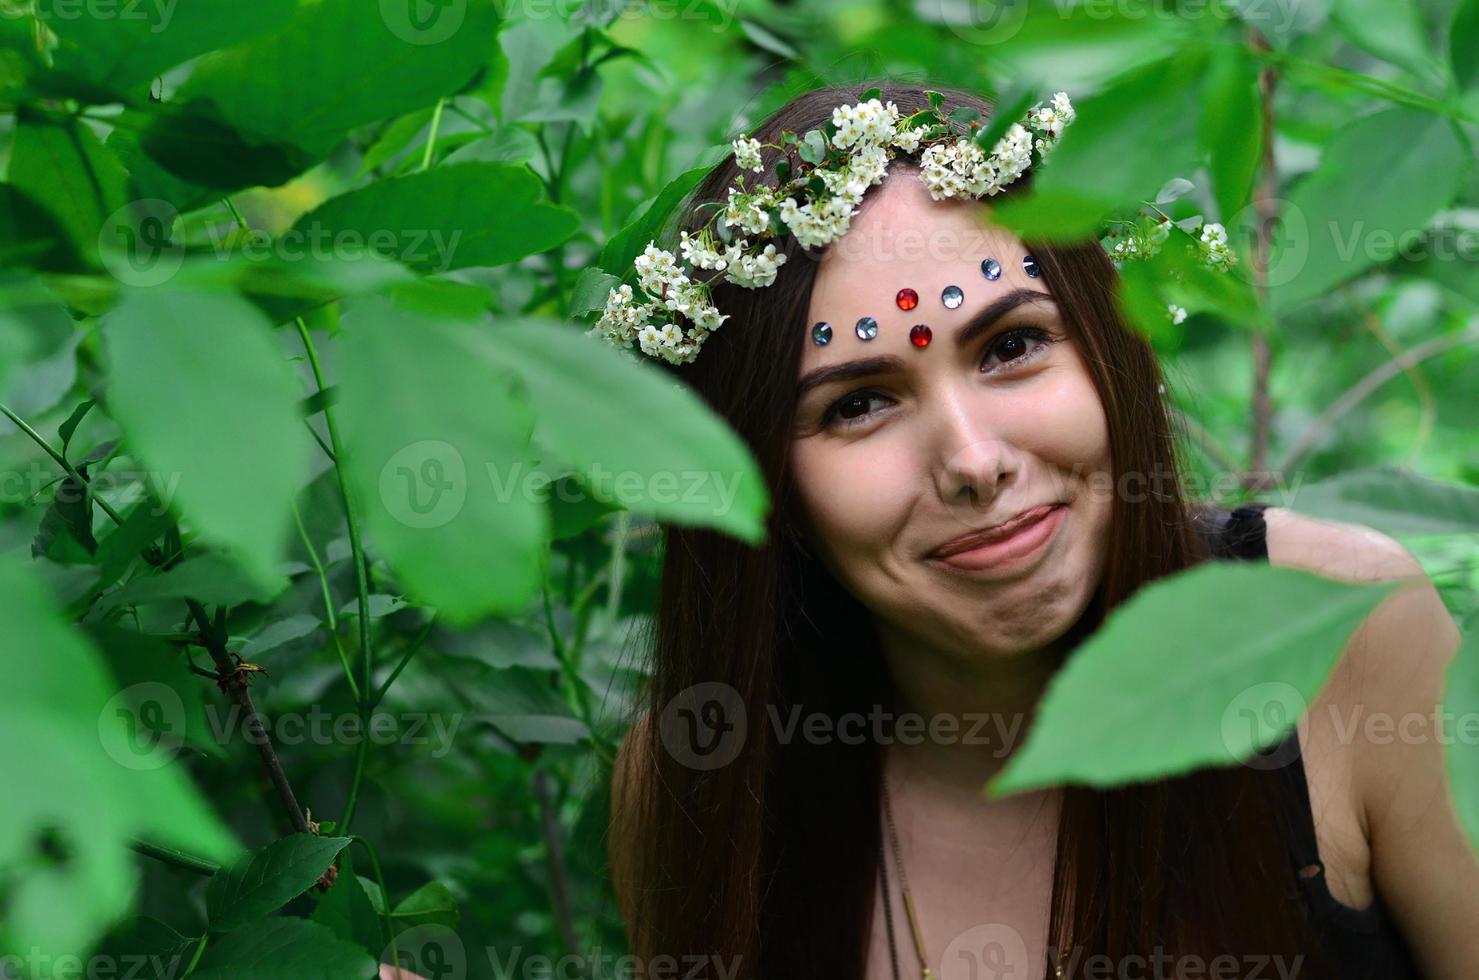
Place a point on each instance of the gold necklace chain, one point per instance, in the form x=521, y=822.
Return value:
x=893, y=838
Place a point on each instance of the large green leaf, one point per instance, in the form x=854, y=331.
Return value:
x=1463, y=45
x=1379, y=183
x=226, y=442
x=436, y=443
x=264, y=880
x=1393, y=32
x=649, y=218
x=451, y=217
x=283, y=947
x=337, y=65
x=1231, y=127
x=106, y=780
x=1199, y=669
x=1134, y=136
x=58, y=162
x=633, y=436
x=108, y=53
x=1392, y=499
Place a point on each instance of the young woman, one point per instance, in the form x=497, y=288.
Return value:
x=942, y=538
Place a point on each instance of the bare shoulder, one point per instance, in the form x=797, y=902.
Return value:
x=1379, y=730
x=1336, y=549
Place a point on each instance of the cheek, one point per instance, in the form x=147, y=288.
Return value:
x=854, y=497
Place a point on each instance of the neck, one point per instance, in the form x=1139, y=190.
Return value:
x=959, y=717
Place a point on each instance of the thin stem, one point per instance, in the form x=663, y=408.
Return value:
x=362, y=584
x=431, y=137
x=559, y=885
x=199, y=948
x=323, y=583
x=236, y=687
x=1363, y=388
x=61, y=461
x=405, y=659
x=384, y=892
x=175, y=858
x=1265, y=200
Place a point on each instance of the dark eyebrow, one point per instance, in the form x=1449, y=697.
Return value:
x=978, y=324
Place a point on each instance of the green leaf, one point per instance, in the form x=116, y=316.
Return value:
x=623, y=247
x=506, y=144
x=1461, y=700
x=431, y=904
x=591, y=288
x=104, y=782
x=439, y=486
x=1052, y=216
x=688, y=467
x=1183, y=676
x=450, y=217
x=1393, y=32
x=141, y=527
x=59, y=162
x=295, y=93
x=346, y=911
x=767, y=40
x=264, y=880
x=1131, y=138
x=209, y=578
x=201, y=431
x=284, y=947
x=936, y=99
x=1394, y=500
x=1009, y=109
x=1463, y=45
x=149, y=670
x=65, y=534
x=813, y=148
x=1231, y=132
x=1379, y=182
x=112, y=54
x=525, y=706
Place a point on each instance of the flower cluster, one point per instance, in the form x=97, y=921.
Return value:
x=821, y=180
x=1146, y=237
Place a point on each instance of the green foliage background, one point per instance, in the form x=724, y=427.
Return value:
x=295, y=268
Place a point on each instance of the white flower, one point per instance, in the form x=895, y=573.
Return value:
x=1176, y=313
x=1216, y=252
x=754, y=271
x=747, y=154
x=908, y=139
x=819, y=222
x=707, y=318
x=699, y=252
x=658, y=268
x=748, y=212
x=870, y=164
x=865, y=122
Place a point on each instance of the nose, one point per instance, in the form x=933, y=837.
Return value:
x=975, y=460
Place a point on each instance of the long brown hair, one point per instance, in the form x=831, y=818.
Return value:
x=773, y=857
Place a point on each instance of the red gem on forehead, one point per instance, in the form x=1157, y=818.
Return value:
x=907, y=299
x=919, y=335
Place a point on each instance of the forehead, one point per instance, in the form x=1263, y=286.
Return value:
x=902, y=238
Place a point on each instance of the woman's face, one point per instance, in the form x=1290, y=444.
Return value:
x=995, y=420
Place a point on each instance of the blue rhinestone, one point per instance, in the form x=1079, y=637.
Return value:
x=952, y=297
x=1030, y=265
x=867, y=328
x=991, y=269
x=821, y=333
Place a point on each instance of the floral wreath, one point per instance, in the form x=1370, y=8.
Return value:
x=821, y=180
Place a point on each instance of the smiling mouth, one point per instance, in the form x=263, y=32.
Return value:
x=1007, y=544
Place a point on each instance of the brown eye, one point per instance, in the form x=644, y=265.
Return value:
x=1015, y=346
